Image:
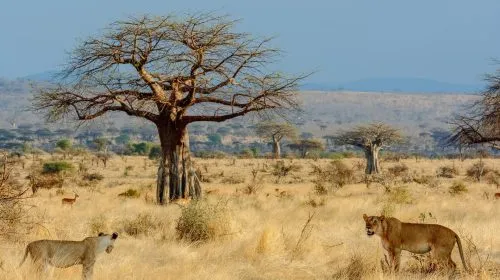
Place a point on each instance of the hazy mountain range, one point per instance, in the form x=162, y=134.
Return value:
x=384, y=84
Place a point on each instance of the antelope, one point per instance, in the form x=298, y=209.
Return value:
x=497, y=195
x=69, y=201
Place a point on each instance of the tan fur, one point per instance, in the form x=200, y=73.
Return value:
x=69, y=201
x=64, y=253
x=416, y=238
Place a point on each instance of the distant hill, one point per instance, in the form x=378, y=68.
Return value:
x=406, y=85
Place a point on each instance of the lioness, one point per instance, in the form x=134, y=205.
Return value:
x=64, y=253
x=416, y=238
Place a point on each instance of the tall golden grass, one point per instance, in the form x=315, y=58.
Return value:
x=266, y=233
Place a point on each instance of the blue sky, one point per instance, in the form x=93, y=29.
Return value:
x=447, y=40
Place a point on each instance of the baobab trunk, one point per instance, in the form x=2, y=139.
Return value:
x=276, y=149
x=175, y=171
x=371, y=154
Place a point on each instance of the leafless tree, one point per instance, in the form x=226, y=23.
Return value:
x=276, y=132
x=371, y=139
x=173, y=72
x=481, y=123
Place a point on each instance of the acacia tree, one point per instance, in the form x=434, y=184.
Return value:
x=304, y=146
x=371, y=139
x=173, y=72
x=481, y=123
x=276, y=132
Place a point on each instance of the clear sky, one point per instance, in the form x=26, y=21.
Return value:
x=447, y=40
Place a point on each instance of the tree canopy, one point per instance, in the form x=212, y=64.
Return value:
x=481, y=122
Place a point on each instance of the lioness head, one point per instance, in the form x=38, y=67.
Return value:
x=106, y=241
x=373, y=224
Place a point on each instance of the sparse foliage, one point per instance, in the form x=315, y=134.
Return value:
x=173, y=72
x=371, y=139
x=481, y=122
x=276, y=132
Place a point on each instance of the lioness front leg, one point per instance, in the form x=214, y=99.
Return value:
x=87, y=271
x=394, y=259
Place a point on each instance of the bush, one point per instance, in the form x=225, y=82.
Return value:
x=477, y=171
x=45, y=181
x=398, y=169
x=155, y=152
x=281, y=169
x=458, y=187
x=91, y=177
x=130, y=193
x=335, y=176
x=97, y=224
x=56, y=167
x=200, y=221
x=143, y=224
x=429, y=181
x=447, y=171
x=400, y=195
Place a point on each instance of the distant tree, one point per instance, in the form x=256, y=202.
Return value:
x=215, y=139
x=480, y=124
x=306, y=135
x=173, y=72
x=102, y=144
x=123, y=139
x=142, y=148
x=155, y=152
x=305, y=146
x=65, y=146
x=371, y=139
x=276, y=132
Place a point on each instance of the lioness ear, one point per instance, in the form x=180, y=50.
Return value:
x=382, y=218
x=365, y=217
x=101, y=234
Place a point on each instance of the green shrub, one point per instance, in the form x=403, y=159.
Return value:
x=200, y=221
x=155, y=152
x=56, y=167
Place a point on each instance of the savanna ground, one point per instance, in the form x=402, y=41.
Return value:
x=290, y=229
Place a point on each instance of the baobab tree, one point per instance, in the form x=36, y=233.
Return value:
x=481, y=122
x=173, y=72
x=371, y=139
x=275, y=132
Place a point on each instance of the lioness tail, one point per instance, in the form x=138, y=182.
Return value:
x=461, y=252
x=25, y=255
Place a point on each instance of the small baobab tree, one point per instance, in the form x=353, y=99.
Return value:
x=371, y=139
x=480, y=124
x=275, y=132
x=173, y=72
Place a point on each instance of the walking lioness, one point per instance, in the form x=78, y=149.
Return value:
x=64, y=253
x=416, y=238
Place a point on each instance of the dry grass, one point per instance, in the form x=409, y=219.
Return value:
x=261, y=236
